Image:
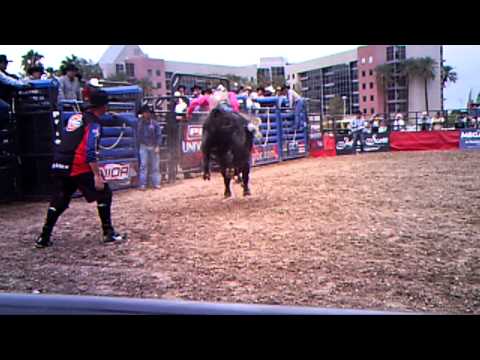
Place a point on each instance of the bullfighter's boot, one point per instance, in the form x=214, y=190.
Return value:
x=109, y=233
x=43, y=240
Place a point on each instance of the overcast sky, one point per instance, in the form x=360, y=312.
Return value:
x=465, y=58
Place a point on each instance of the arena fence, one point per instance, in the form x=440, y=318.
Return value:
x=31, y=129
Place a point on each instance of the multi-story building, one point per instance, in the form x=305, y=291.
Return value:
x=352, y=76
x=271, y=71
x=131, y=60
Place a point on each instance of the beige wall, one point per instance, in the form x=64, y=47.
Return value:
x=416, y=93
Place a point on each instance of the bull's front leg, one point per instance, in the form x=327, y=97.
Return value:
x=246, y=178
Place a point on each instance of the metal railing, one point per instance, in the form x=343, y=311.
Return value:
x=29, y=304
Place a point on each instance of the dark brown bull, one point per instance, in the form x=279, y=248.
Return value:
x=227, y=139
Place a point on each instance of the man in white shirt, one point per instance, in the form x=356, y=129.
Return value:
x=357, y=125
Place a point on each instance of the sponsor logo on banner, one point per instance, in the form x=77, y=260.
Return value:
x=470, y=139
x=373, y=143
x=194, y=132
x=264, y=153
x=190, y=147
x=113, y=172
x=74, y=122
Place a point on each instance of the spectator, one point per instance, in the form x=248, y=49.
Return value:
x=69, y=87
x=8, y=84
x=269, y=91
x=462, y=121
x=196, y=91
x=423, y=122
x=291, y=94
x=260, y=92
x=375, y=125
x=181, y=89
x=399, y=123
x=243, y=91
x=35, y=73
x=437, y=121
x=181, y=105
x=297, y=103
x=202, y=103
x=150, y=138
x=357, y=126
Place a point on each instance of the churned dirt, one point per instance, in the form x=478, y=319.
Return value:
x=391, y=231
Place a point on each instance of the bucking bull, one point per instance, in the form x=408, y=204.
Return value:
x=227, y=139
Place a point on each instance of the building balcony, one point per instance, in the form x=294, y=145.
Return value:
x=329, y=84
x=396, y=101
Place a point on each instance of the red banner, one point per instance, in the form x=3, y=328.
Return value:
x=424, y=140
x=328, y=147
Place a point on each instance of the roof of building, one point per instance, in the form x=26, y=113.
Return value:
x=343, y=57
x=111, y=54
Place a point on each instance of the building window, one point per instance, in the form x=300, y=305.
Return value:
x=364, y=111
x=364, y=98
x=149, y=72
x=157, y=72
x=363, y=60
x=372, y=110
x=293, y=76
x=370, y=59
x=130, y=69
x=372, y=98
x=371, y=85
x=355, y=86
x=370, y=72
x=364, y=86
x=168, y=75
x=159, y=85
x=390, y=53
x=363, y=73
x=119, y=68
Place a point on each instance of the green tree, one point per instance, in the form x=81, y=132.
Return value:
x=69, y=60
x=146, y=85
x=335, y=106
x=384, y=76
x=31, y=58
x=448, y=75
x=423, y=68
x=87, y=68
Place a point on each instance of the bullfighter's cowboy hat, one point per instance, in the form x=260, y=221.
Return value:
x=98, y=98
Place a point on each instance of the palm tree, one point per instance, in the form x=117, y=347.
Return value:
x=146, y=85
x=448, y=75
x=31, y=58
x=384, y=76
x=423, y=68
x=75, y=60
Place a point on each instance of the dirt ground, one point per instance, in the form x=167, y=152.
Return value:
x=391, y=231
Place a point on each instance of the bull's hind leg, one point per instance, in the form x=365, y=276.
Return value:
x=246, y=178
x=226, y=180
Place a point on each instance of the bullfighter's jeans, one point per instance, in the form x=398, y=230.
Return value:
x=149, y=158
x=358, y=135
